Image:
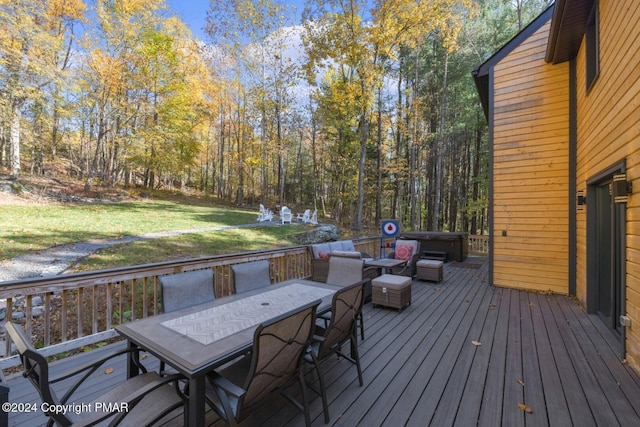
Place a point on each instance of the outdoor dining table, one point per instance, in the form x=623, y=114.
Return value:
x=197, y=339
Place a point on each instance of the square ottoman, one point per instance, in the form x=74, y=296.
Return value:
x=429, y=270
x=391, y=291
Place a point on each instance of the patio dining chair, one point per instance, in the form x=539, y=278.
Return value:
x=345, y=271
x=251, y=275
x=346, y=306
x=186, y=289
x=279, y=346
x=149, y=397
x=183, y=290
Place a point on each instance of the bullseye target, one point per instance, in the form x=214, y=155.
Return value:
x=390, y=228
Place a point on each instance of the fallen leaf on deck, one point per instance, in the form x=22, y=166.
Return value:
x=108, y=371
x=525, y=408
x=521, y=382
x=476, y=343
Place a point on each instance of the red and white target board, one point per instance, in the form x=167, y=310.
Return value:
x=390, y=228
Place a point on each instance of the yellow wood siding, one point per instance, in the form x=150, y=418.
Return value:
x=530, y=175
x=608, y=132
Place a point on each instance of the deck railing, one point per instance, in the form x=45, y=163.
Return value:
x=68, y=312
x=478, y=244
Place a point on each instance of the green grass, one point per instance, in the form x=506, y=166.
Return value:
x=190, y=246
x=36, y=227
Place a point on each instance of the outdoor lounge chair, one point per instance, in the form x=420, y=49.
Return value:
x=148, y=396
x=305, y=216
x=285, y=215
x=251, y=275
x=346, y=306
x=313, y=219
x=279, y=347
x=264, y=214
x=186, y=289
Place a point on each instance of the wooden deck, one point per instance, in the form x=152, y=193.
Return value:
x=464, y=353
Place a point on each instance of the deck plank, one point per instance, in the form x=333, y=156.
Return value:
x=513, y=377
x=596, y=396
x=421, y=368
x=557, y=411
x=469, y=408
x=491, y=409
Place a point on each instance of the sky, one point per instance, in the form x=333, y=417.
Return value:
x=193, y=13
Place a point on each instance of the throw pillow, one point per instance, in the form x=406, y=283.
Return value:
x=323, y=255
x=403, y=252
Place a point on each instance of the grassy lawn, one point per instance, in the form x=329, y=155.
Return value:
x=190, y=246
x=25, y=228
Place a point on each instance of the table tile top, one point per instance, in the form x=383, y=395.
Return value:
x=215, y=323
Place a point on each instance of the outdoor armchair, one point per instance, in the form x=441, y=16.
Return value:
x=304, y=217
x=408, y=250
x=285, y=215
x=346, y=307
x=279, y=346
x=148, y=396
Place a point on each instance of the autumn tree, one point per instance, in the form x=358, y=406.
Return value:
x=253, y=33
x=340, y=33
x=142, y=107
x=35, y=38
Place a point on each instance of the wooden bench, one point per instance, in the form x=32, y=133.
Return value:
x=437, y=255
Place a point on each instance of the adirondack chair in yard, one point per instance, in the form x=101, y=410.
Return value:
x=305, y=216
x=264, y=214
x=313, y=219
x=285, y=215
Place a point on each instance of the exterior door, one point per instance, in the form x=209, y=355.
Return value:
x=606, y=239
x=605, y=248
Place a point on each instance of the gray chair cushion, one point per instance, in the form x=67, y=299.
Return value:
x=347, y=254
x=186, y=289
x=320, y=247
x=344, y=271
x=251, y=275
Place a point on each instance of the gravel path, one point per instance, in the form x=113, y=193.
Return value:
x=56, y=260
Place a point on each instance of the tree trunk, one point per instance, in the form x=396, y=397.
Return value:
x=364, y=128
x=414, y=147
x=14, y=137
x=378, y=218
x=440, y=147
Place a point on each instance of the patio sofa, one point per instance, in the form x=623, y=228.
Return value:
x=320, y=253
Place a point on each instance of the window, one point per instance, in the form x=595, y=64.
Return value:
x=592, y=48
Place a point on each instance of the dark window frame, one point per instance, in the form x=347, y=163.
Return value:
x=592, y=40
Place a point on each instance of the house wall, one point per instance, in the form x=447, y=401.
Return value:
x=608, y=124
x=530, y=154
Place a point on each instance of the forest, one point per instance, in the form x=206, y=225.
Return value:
x=361, y=109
